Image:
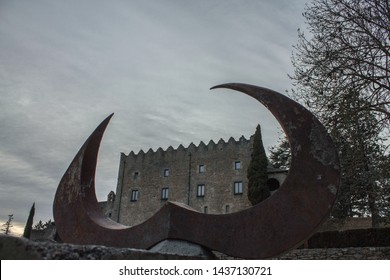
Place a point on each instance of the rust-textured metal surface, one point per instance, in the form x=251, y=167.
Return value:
x=281, y=222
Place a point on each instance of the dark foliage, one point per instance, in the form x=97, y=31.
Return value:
x=29, y=224
x=372, y=237
x=257, y=171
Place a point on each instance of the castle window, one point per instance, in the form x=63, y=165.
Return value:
x=200, y=190
x=202, y=168
x=227, y=208
x=134, y=195
x=205, y=210
x=164, y=193
x=237, y=165
x=273, y=184
x=136, y=175
x=238, y=187
x=166, y=172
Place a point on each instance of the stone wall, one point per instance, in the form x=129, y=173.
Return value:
x=49, y=233
x=14, y=248
x=346, y=224
x=108, y=206
x=360, y=253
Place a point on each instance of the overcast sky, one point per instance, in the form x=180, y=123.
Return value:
x=66, y=65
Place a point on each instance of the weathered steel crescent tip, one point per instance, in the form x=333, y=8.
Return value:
x=281, y=222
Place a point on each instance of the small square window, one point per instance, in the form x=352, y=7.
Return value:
x=164, y=193
x=238, y=187
x=134, y=195
x=237, y=165
x=136, y=175
x=166, y=172
x=202, y=168
x=200, y=190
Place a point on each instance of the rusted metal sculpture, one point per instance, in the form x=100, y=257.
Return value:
x=281, y=222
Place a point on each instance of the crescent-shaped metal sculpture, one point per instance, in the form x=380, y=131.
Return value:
x=281, y=222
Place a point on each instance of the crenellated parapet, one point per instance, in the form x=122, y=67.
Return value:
x=232, y=143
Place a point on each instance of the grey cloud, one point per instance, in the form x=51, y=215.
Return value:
x=66, y=65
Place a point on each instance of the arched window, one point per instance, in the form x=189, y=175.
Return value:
x=273, y=184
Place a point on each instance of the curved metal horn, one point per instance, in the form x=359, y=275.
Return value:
x=281, y=222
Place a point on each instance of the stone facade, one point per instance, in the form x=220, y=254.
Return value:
x=48, y=233
x=108, y=206
x=209, y=178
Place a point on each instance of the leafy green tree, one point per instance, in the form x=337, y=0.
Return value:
x=41, y=226
x=257, y=171
x=364, y=163
x=29, y=224
x=280, y=154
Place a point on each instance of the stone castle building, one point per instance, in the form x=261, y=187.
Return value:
x=210, y=178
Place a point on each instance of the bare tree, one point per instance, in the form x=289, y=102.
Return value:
x=348, y=51
x=8, y=225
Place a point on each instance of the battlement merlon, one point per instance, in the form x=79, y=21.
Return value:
x=201, y=147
